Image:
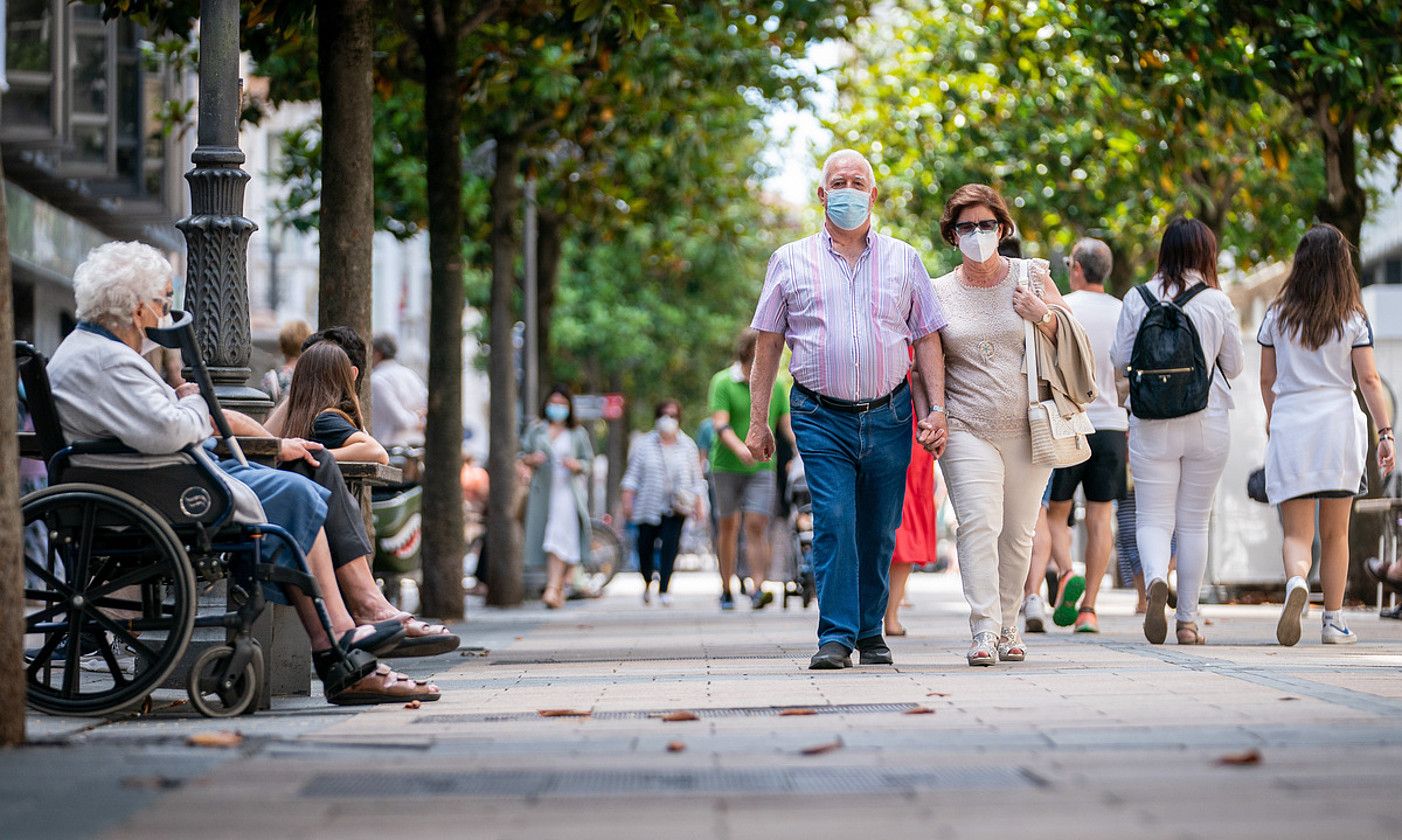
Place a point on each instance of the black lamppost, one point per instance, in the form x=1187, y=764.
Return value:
x=216, y=231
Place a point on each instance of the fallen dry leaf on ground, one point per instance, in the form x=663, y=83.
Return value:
x=413, y=704
x=584, y=627
x=1289, y=698
x=1241, y=759
x=919, y=710
x=796, y=712
x=215, y=738
x=819, y=749
x=1209, y=622
x=678, y=717
x=565, y=713
x=519, y=638
x=676, y=746
x=937, y=694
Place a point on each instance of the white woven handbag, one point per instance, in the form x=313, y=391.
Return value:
x=1057, y=441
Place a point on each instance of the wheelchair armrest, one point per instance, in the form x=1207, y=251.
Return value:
x=100, y=447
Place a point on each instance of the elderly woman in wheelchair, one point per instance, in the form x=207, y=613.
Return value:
x=139, y=509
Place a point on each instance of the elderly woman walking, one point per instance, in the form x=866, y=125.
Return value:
x=995, y=486
x=662, y=487
x=559, y=454
x=1314, y=339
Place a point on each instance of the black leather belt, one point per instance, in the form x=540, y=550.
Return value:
x=845, y=405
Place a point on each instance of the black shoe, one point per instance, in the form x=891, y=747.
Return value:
x=761, y=599
x=874, y=651
x=832, y=656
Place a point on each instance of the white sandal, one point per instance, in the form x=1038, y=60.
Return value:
x=984, y=650
x=1010, y=647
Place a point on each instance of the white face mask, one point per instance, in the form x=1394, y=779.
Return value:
x=667, y=425
x=149, y=346
x=979, y=246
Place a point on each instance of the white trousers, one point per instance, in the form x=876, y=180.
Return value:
x=996, y=491
x=1177, y=464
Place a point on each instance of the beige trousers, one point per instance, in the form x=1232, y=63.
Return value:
x=996, y=491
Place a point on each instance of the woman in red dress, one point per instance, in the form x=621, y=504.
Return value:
x=915, y=541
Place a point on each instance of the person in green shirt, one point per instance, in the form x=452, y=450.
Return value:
x=744, y=488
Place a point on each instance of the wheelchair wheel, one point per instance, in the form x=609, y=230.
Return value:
x=115, y=598
x=216, y=693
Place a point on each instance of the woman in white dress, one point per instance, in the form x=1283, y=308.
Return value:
x=558, y=452
x=1314, y=339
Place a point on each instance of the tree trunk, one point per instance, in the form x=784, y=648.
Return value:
x=549, y=245
x=443, y=549
x=1343, y=205
x=507, y=573
x=12, y=702
x=344, y=45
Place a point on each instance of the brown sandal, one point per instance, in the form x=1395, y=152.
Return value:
x=1188, y=634
x=386, y=686
x=423, y=639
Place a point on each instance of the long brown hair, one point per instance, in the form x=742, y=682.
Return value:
x=322, y=381
x=1188, y=245
x=1321, y=292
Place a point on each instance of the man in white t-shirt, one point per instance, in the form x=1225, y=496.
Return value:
x=398, y=398
x=1103, y=477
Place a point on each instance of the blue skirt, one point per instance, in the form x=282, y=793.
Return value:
x=290, y=501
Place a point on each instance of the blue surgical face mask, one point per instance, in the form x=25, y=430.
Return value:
x=848, y=208
x=556, y=413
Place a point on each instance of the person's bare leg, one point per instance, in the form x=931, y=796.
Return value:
x=1060, y=533
x=727, y=544
x=1141, y=604
x=362, y=595
x=900, y=573
x=1098, y=542
x=319, y=563
x=1297, y=518
x=1041, y=556
x=1333, y=558
x=757, y=548
x=554, y=595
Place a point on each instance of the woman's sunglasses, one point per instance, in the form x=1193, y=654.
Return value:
x=985, y=226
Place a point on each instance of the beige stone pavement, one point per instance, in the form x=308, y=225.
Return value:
x=1092, y=736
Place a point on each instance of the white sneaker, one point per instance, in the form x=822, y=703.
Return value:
x=122, y=652
x=1297, y=603
x=1336, y=632
x=1034, y=614
x=665, y=599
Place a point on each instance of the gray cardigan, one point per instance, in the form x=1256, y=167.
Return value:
x=537, y=439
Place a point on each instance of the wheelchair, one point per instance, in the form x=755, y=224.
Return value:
x=117, y=548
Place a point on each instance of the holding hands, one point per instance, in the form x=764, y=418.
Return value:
x=933, y=433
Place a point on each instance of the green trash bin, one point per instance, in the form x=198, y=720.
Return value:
x=398, y=530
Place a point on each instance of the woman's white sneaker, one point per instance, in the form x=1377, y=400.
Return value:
x=1297, y=602
x=1336, y=632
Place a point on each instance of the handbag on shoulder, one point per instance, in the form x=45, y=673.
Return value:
x=1057, y=441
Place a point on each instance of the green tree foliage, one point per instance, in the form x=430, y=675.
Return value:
x=1337, y=63
x=1018, y=96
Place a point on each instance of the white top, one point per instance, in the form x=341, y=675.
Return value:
x=1099, y=315
x=562, y=523
x=657, y=470
x=1318, y=435
x=1214, y=317
x=397, y=396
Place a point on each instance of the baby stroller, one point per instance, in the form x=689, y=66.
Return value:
x=798, y=565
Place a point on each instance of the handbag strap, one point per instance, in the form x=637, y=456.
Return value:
x=1030, y=348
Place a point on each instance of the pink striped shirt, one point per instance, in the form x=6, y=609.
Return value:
x=850, y=328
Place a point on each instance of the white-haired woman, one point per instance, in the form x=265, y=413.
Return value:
x=104, y=389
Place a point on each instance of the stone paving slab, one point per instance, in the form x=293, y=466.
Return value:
x=1094, y=736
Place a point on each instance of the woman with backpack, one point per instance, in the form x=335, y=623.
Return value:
x=1179, y=342
x=1314, y=339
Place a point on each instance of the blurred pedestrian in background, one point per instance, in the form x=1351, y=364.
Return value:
x=1315, y=339
x=744, y=487
x=661, y=488
x=398, y=397
x=289, y=341
x=560, y=456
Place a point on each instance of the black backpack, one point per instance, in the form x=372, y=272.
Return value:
x=1168, y=376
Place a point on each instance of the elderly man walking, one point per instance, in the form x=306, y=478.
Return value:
x=850, y=302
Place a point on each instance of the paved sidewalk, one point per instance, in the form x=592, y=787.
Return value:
x=1093, y=736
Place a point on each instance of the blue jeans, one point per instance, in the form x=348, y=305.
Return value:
x=855, y=465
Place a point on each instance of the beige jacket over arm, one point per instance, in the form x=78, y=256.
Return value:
x=1066, y=366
